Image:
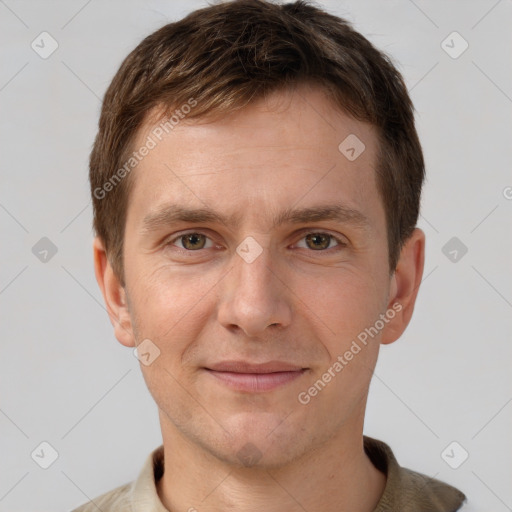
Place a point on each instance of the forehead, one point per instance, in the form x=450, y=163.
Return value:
x=293, y=146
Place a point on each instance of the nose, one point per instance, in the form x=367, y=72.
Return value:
x=254, y=297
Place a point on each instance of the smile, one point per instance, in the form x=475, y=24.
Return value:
x=252, y=378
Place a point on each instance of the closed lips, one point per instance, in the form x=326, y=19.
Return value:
x=247, y=377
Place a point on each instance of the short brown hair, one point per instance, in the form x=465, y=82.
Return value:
x=227, y=55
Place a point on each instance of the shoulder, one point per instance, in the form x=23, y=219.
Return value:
x=140, y=495
x=407, y=490
x=116, y=500
x=422, y=492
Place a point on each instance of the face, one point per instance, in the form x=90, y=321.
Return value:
x=255, y=256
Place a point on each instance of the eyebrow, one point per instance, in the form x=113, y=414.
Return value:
x=170, y=214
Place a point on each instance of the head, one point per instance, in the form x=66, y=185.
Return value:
x=256, y=181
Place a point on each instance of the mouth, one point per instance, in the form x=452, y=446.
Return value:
x=252, y=378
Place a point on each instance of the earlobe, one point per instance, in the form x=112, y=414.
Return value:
x=114, y=295
x=404, y=286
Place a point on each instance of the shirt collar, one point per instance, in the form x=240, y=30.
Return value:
x=405, y=490
x=144, y=494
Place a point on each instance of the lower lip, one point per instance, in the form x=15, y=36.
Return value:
x=254, y=382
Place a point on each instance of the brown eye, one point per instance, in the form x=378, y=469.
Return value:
x=318, y=241
x=192, y=241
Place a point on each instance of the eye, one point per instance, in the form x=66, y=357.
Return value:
x=192, y=241
x=320, y=241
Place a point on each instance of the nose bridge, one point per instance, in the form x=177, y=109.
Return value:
x=253, y=279
x=253, y=297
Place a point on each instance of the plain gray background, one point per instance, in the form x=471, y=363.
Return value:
x=65, y=380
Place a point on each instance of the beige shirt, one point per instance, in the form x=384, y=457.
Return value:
x=405, y=490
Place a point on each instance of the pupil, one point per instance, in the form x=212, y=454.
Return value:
x=191, y=241
x=319, y=241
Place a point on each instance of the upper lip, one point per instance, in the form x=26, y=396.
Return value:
x=246, y=367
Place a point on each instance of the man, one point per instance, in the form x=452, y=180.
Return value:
x=256, y=181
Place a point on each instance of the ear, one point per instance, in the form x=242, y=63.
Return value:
x=114, y=296
x=404, y=287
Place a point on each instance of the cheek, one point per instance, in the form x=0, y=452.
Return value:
x=344, y=303
x=170, y=306
x=347, y=307
x=170, y=310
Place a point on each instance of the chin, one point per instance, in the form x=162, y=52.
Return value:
x=246, y=453
x=263, y=440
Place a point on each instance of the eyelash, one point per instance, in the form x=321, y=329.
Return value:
x=340, y=244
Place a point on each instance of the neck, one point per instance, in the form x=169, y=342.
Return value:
x=337, y=476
